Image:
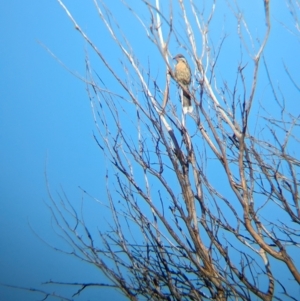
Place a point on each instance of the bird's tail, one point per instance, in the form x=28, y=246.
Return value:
x=186, y=102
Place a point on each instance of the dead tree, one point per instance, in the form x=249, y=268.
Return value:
x=204, y=205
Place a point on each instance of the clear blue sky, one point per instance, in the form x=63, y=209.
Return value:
x=45, y=119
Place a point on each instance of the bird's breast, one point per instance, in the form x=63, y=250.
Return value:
x=183, y=73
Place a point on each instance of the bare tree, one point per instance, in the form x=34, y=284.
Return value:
x=204, y=205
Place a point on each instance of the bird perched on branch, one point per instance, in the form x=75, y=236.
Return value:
x=183, y=77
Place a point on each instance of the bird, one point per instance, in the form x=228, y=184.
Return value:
x=183, y=77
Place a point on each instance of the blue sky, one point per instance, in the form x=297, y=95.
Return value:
x=46, y=121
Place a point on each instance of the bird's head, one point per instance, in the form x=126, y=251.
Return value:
x=179, y=57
